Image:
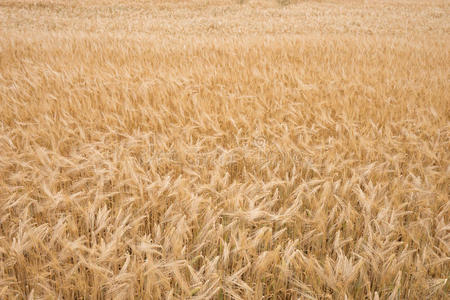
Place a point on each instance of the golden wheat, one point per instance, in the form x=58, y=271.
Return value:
x=224, y=149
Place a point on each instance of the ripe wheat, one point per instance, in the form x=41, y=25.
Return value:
x=224, y=149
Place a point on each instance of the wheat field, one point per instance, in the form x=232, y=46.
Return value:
x=224, y=149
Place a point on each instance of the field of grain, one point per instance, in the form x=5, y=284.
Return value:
x=224, y=149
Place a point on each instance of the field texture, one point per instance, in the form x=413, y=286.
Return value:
x=224, y=149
